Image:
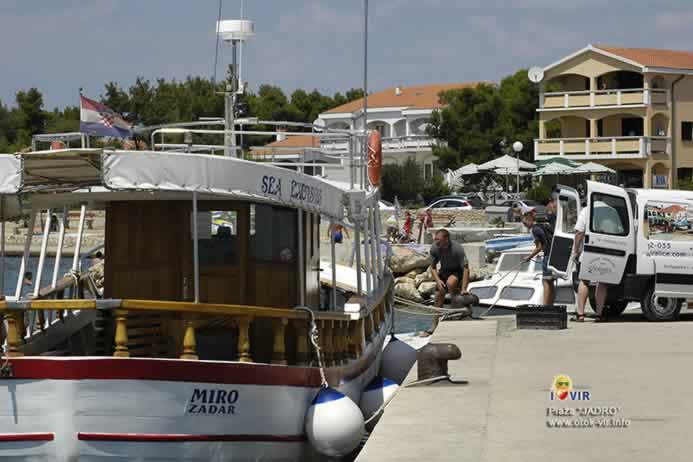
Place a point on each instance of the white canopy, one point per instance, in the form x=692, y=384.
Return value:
x=147, y=170
x=592, y=167
x=11, y=174
x=510, y=171
x=506, y=162
x=453, y=176
x=554, y=168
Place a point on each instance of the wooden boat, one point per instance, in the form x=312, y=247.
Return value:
x=200, y=347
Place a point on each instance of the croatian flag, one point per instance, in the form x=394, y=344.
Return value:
x=99, y=120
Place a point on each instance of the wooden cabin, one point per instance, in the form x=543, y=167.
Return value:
x=248, y=255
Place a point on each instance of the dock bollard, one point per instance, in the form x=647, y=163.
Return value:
x=433, y=358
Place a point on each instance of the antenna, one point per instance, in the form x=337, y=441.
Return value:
x=235, y=32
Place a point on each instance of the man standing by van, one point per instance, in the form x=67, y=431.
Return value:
x=583, y=287
x=541, y=244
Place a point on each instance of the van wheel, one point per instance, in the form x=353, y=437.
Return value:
x=612, y=308
x=660, y=308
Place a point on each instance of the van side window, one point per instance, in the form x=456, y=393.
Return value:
x=667, y=221
x=569, y=213
x=609, y=215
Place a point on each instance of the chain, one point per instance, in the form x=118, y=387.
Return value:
x=313, y=335
x=6, y=368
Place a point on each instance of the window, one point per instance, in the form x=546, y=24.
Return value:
x=511, y=261
x=273, y=234
x=609, y=215
x=440, y=205
x=687, y=131
x=217, y=241
x=667, y=221
x=428, y=172
x=568, y=213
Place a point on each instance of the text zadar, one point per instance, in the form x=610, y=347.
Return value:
x=212, y=402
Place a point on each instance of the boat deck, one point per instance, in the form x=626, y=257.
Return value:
x=632, y=365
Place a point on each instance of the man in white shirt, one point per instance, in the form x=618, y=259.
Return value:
x=583, y=288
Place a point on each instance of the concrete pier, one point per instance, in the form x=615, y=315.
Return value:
x=640, y=369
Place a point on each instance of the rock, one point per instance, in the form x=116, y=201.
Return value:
x=404, y=260
x=404, y=280
x=408, y=290
x=415, y=272
x=426, y=289
x=426, y=276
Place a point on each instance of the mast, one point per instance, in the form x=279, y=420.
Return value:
x=362, y=172
x=234, y=32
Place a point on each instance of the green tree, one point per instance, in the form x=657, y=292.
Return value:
x=116, y=98
x=467, y=126
x=30, y=107
x=405, y=181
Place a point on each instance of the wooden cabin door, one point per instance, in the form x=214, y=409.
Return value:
x=144, y=250
x=222, y=246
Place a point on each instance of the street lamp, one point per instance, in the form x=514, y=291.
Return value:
x=517, y=147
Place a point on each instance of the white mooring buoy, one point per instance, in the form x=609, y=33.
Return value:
x=376, y=395
x=398, y=359
x=334, y=423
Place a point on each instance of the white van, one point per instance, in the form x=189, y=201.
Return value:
x=639, y=241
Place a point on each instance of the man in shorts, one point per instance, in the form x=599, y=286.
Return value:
x=541, y=244
x=454, y=268
x=583, y=287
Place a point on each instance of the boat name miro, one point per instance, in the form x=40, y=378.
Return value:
x=272, y=185
x=212, y=402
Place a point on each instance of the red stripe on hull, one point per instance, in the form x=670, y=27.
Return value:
x=162, y=369
x=6, y=437
x=180, y=438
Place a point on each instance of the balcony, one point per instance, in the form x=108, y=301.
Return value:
x=619, y=147
x=589, y=99
x=398, y=143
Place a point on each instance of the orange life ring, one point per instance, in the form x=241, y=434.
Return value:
x=375, y=157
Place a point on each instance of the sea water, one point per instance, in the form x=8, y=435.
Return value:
x=12, y=270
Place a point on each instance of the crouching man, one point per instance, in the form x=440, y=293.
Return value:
x=454, y=269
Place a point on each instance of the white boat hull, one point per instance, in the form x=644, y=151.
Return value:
x=103, y=408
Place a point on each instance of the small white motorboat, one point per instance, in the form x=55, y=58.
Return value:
x=515, y=283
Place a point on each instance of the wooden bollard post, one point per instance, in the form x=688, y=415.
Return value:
x=279, y=348
x=41, y=320
x=14, y=341
x=189, y=342
x=121, y=334
x=352, y=339
x=328, y=354
x=368, y=328
x=302, y=350
x=244, y=340
x=337, y=342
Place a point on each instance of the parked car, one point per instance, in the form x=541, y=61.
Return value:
x=519, y=204
x=475, y=200
x=450, y=203
x=385, y=205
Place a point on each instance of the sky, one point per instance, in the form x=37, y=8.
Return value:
x=61, y=45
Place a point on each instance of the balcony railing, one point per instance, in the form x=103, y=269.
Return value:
x=602, y=147
x=412, y=142
x=601, y=98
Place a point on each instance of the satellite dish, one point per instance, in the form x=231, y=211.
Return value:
x=535, y=74
x=319, y=125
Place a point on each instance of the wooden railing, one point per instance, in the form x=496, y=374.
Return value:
x=342, y=336
x=601, y=98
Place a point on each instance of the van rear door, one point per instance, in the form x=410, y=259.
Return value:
x=567, y=211
x=610, y=236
